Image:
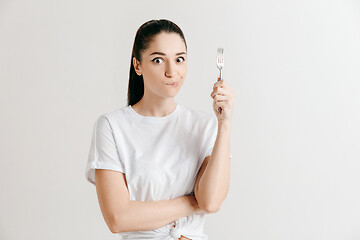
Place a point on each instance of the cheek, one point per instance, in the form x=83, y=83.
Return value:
x=183, y=71
x=151, y=75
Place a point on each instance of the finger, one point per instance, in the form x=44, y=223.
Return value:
x=218, y=84
x=221, y=84
x=221, y=98
x=224, y=84
x=221, y=91
x=223, y=104
x=213, y=94
x=218, y=92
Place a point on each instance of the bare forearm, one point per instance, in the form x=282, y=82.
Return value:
x=150, y=215
x=214, y=183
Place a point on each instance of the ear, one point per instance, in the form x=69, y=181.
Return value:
x=137, y=66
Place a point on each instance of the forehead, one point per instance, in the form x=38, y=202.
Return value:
x=168, y=43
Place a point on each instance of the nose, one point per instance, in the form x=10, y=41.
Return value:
x=170, y=70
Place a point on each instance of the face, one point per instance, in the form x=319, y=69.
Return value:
x=163, y=65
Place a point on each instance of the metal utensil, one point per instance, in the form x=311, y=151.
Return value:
x=220, y=65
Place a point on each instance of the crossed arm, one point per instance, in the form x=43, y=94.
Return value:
x=122, y=214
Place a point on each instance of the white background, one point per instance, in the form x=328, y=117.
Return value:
x=294, y=65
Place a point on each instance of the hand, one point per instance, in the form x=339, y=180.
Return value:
x=223, y=97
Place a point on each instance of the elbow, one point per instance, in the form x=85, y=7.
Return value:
x=210, y=208
x=206, y=205
x=114, y=228
x=116, y=225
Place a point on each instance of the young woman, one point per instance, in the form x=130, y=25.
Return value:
x=159, y=167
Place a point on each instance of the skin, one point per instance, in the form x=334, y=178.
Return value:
x=169, y=64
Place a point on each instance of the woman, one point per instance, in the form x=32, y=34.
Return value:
x=159, y=166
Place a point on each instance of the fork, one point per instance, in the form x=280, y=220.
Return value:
x=220, y=65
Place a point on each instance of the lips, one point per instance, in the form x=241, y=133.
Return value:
x=172, y=83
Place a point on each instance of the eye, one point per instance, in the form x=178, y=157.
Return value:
x=157, y=60
x=180, y=59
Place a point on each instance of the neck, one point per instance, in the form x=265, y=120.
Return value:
x=155, y=108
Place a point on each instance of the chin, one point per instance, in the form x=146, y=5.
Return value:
x=171, y=94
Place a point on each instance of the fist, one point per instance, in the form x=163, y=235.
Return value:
x=223, y=97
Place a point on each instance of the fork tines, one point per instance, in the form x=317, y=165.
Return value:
x=220, y=55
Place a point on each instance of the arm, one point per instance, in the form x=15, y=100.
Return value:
x=123, y=215
x=212, y=183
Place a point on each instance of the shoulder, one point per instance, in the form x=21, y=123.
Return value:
x=113, y=117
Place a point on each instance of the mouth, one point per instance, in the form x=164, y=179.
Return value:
x=172, y=84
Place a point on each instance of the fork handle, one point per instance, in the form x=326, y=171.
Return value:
x=219, y=79
x=221, y=75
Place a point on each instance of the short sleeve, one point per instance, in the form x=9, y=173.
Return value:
x=103, y=152
x=210, y=138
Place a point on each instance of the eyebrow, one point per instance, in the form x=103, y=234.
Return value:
x=161, y=53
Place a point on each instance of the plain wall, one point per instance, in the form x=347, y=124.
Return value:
x=295, y=69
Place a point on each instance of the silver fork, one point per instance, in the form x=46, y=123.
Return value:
x=220, y=65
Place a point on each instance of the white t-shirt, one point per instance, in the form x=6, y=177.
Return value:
x=160, y=157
